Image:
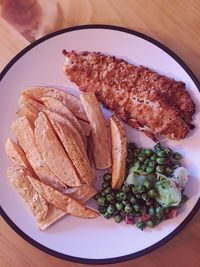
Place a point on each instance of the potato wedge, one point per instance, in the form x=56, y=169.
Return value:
x=29, y=107
x=54, y=214
x=25, y=100
x=36, y=203
x=53, y=153
x=72, y=102
x=56, y=117
x=28, y=111
x=16, y=154
x=61, y=201
x=85, y=126
x=99, y=132
x=25, y=135
x=119, y=151
x=80, y=162
x=82, y=194
x=57, y=106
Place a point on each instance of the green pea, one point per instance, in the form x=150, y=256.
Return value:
x=147, y=184
x=102, y=209
x=143, y=167
x=119, y=206
x=101, y=200
x=118, y=218
x=111, y=209
x=108, y=190
x=152, y=193
x=148, y=152
x=153, y=157
x=149, y=169
x=160, y=153
x=157, y=146
x=110, y=197
x=151, y=211
x=128, y=208
x=106, y=184
x=135, y=189
x=122, y=195
x=107, y=215
x=141, y=188
x=140, y=225
x=152, y=163
x=141, y=157
x=160, y=161
x=150, y=223
x=125, y=188
x=160, y=169
x=177, y=156
x=136, y=207
x=167, y=151
x=107, y=177
x=126, y=201
x=159, y=213
x=133, y=200
x=168, y=170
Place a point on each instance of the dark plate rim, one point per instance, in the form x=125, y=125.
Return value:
x=141, y=252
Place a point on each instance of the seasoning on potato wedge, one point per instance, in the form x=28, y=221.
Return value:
x=25, y=135
x=119, y=151
x=79, y=161
x=53, y=153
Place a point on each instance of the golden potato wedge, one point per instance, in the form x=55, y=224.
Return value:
x=72, y=102
x=85, y=126
x=80, y=162
x=82, y=194
x=26, y=100
x=54, y=214
x=61, y=201
x=16, y=154
x=29, y=107
x=119, y=151
x=57, y=106
x=18, y=177
x=99, y=132
x=56, y=117
x=53, y=153
x=25, y=135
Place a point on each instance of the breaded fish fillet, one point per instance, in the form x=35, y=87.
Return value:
x=146, y=100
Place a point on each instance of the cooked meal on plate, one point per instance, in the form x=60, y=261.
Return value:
x=62, y=140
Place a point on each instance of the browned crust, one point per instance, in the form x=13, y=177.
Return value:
x=139, y=95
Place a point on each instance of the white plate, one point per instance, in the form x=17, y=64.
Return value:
x=98, y=240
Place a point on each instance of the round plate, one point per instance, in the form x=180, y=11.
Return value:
x=97, y=240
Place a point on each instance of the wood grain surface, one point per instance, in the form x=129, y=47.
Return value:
x=176, y=23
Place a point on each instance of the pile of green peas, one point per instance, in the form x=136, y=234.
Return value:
x=149, y=161
x=136, y=204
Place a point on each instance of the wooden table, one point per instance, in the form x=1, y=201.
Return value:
x=177, y=25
